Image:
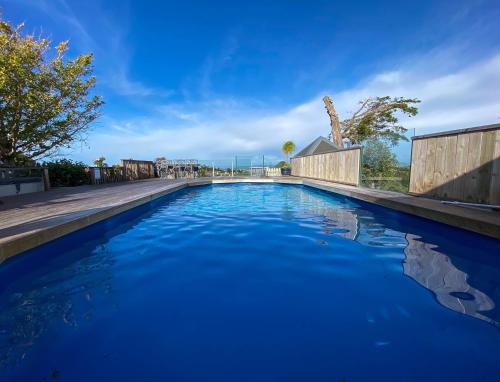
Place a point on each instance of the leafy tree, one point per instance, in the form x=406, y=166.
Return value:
x=45, y=100
x=288, y=148
x=381, y=169
x=378, y=160
x=281, y=164
x=99, y=162
x=377, y=118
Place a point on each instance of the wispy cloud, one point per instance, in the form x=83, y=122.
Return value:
x=221, y=128
x=112, y=54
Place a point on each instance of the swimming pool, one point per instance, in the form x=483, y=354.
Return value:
x=251, y=282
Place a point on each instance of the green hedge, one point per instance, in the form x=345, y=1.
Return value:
x=65, y=172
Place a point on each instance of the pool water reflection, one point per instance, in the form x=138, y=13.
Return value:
x=254, y=282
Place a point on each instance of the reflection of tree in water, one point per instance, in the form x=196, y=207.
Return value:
x=435, y=271
x=64, y=296
x=423, y=263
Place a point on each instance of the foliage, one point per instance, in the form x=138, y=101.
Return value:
x=376, y=118
x=378, y=160
x=65, y=172
x=381, y=169
x=288, y=148
x=281, y=164
x=99, y=162
x=45, y=100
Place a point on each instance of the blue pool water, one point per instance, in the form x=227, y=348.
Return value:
x=254, y=283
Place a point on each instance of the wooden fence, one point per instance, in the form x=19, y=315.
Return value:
x=462, y=165
x=129, y=170
x=138, y=169
x=341, y=166
x=101, y=175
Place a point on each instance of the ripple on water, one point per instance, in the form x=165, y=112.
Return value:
x=281, y=278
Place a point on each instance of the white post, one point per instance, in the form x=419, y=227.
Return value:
x=213, y=170
x=232, y=168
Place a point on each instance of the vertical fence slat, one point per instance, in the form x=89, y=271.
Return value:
x=339, y=166
x=471, y=184
x=448, y=181
x=494, y=191
x=418, y=166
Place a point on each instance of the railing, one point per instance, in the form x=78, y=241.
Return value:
x=237, y=166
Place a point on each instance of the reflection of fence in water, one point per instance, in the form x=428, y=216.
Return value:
x=435, y=271
x=423, y=263
x=340, y=222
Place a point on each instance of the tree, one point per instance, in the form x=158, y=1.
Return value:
x=100, y=162
x=288, y=148
x=376, y=118
x=281, y=164
x=45, y=100
x=381, y=169
x=378, y=160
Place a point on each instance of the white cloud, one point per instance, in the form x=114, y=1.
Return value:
x=220, y=128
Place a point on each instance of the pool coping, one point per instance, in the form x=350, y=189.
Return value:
x=486, y=223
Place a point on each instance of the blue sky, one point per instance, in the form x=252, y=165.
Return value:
x=208, y=80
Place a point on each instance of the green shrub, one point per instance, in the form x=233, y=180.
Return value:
x=281, y=164
x=65, y=172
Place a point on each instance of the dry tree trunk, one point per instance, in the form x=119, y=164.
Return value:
x=334, y=121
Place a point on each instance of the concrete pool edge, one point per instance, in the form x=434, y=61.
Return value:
x=469, y=219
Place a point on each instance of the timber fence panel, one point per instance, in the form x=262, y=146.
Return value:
x=462, y=165
x=138, y=169
x=341, y=166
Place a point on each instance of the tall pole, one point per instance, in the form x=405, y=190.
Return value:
x=232, y=168
x=213, y=170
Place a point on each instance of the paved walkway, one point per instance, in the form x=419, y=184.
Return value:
x=33, y=219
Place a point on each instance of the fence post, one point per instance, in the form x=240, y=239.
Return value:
x=360, y=167
x=46, y=179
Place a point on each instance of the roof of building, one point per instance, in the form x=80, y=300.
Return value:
x=320, y=145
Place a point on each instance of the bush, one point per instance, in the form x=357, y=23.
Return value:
x=281, y=164
x=65, y=172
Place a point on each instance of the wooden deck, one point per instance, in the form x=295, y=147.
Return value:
x=27, y=221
